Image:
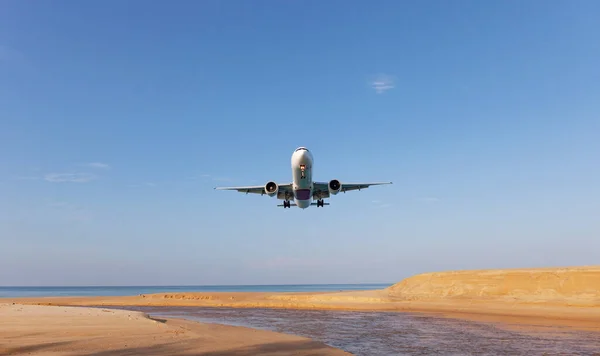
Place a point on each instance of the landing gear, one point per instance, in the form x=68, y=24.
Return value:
x=320, y=203
x=287, y=204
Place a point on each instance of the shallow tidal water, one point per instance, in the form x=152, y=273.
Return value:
x=391, y=333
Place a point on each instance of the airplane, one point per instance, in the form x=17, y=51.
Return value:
x=303, y=190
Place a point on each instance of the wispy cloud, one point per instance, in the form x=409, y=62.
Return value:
x=382, y=83
x=98, y=165
x=74, y=175
x=69, y=177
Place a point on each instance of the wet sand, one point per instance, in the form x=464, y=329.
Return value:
x=51, y=330
x=569, y=296
x=392, y=333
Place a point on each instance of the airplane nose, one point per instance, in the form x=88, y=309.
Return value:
x=304, y=157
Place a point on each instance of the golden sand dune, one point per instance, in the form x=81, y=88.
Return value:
x=574, y=286
x=560, y=293
x=49, y=330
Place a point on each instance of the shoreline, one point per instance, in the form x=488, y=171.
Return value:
x=483, y=310
x=62, y=330
x=569, y=296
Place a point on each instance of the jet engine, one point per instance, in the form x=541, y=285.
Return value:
x=271, y=188
x=334, y=186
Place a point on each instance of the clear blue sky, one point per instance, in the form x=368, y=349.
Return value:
x=118, y=118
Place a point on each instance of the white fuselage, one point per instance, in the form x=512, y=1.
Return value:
x=302, y=164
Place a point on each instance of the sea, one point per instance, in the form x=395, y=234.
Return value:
x=88, y=291
x=358, y=332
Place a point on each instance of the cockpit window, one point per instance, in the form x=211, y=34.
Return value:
x=301, y=149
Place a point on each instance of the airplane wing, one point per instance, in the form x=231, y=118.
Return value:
x=259, y=189
x=321, y=187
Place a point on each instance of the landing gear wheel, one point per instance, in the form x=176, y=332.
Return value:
x=320, y=203
x=286, y=204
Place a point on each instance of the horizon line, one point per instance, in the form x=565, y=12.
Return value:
x=195, y=285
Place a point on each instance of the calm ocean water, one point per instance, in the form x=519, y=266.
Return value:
x=19, y=292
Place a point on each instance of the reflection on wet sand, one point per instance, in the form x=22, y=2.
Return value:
x=391, y=333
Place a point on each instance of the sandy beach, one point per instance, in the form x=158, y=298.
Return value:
x=52, y=330
x=569, y=296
